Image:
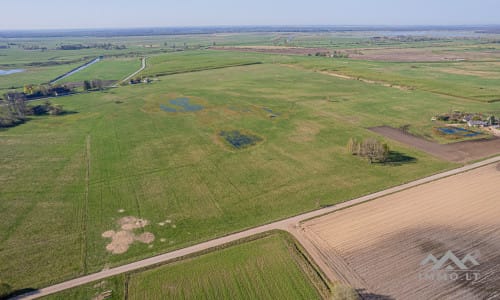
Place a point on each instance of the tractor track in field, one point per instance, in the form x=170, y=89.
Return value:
x=85, y=204
x=291, y=225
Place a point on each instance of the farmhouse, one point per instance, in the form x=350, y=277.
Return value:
x=477, y=123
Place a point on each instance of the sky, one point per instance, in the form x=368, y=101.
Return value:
x=68, y=14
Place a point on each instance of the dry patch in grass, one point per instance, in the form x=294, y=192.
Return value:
x=482, y=74
x=378, y=247
x=121, y=240
x=306, y=131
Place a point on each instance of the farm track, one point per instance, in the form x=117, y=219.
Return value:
x=386, y=84
x=143, y=66
x=455, y=152
x=291, y=225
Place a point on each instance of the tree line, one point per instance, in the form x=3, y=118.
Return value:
x=40, y=91
x=96, y=84
x=105, y=46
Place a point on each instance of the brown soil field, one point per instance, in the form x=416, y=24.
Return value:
x=420, y=55
x=275, y=50
x=378, y=247
x=455, y=152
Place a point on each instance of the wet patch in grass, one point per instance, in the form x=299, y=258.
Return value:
x=239, y=140
x=181, y=105
x=272, y=114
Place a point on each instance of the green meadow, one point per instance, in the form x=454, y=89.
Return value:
x=134, y=151
x=107, y=69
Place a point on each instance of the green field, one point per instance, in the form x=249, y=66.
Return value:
x=270, y=267
x=262, y=269
x=66, y=180
x=34, y=75
x=185, y=62
x=107, y=69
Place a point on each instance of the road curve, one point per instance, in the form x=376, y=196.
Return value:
x=136, y=72
x=290, y=225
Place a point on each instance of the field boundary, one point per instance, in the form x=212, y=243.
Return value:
x=288, y=225
x=205, y=69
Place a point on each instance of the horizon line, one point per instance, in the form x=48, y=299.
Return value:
x=255, y=26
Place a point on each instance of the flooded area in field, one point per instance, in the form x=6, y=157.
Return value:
x=10, y=72
x=181, y=105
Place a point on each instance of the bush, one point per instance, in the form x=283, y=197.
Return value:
x=44, y=109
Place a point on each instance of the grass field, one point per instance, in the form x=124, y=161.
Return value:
x=34, y=75
x=184, y=62
x=262, y=269
x=66, y=180
x=266, y=268
x=107, y=69
x=470, y=80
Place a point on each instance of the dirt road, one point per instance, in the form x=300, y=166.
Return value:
x=455, y=152
x=143, y=66
x=291, y=225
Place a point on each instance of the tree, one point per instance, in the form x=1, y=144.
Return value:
x=97, y=84
x=351, y=145
x=16, y=103
x=492, y=121
x=87, y=85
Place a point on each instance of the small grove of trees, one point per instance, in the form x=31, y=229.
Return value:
x=370, y=148
x=339, y=54
x=93, y=85
x=41, y=91
x=15, y=111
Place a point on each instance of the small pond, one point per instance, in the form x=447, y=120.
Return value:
x=458, y=131
x=181, y=105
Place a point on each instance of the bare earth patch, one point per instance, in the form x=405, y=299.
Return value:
x=419, y=55
x=378, y=247
x=121, y=240
x=274, y=50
